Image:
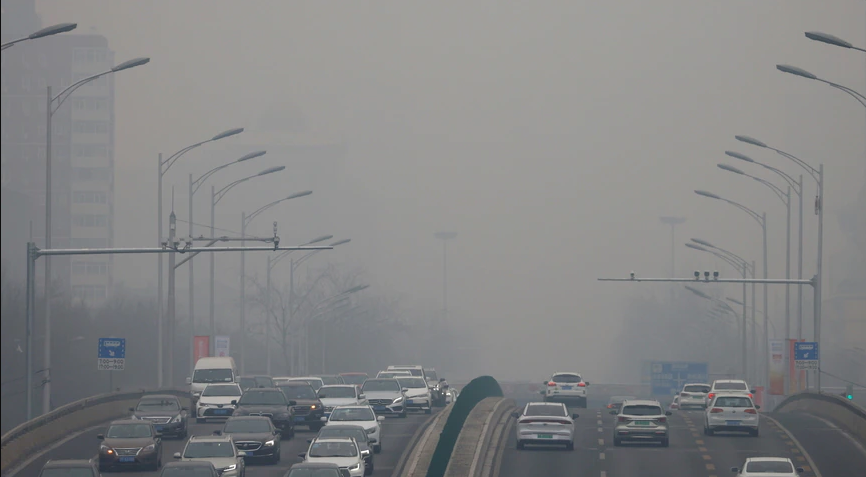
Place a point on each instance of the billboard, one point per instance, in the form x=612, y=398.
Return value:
x=221, y=346
x=200, y=348
x=668, y=378
x=777, y=367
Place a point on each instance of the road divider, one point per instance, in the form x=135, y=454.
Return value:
x=416, y=458
x=39, y=434
x=849, y=416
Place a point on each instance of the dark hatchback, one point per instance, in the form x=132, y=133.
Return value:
x=255, y=436
x=308, y=408
x=166, y=413
x=130, y=443
x=268, y=402
x=69, y=468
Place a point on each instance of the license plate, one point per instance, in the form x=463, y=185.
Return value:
x=545, y=436
x=127, y=458
x=732, y=423
x=221, y=411
x=243, y=453
x=299, y=418
x=566, y=388
x=642, y=423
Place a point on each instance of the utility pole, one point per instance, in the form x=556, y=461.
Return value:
x=673, y=222
x=172, y=238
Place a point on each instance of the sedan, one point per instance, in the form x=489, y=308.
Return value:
x=270, y=403
x=165, y=412
x=130, y=443
x=764, y=466
x=546, y=423
x=255, y=436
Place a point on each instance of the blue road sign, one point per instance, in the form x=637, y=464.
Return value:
x=667, y=379
x=806, y=351
x=111, y=354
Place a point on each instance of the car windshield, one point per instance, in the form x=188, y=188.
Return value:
x=264, y=381
x=566, y=378
x=158, y=405
x=769, y=467
x=212, y=376
x=620, y=399
x=697, y=388
x=354, y=379
x=732, y=401
x=333, y=449
x=298, y=391
x=412, y=382
x=730, y=386
x=315, y=473
x=187, y=471
x=353, y=414
x=263, y=398
x=330, y=431
x=382, y=385
x=336, y=392
x=128, y=431
x=642, y=410
x=431, y=375
x=316, y=383
x=222, y=390
x=247, y=425
x=328, y=380
x=68, y=472
x=545, y=410
x=204, y=450
x=247, y=383
x=412, y=372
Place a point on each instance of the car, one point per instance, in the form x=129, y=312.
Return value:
x=166, y=413
x=355, y=432
x=451, y=395
x=215, y=401
x=189, y=469
x=249, y=382
x=437, y=386
x=675, y=404
x=414, y=369
x=361, y=416
x=130, y=443
x=768, y=466
x=417, y=392
x=546, y=423
x=694, y=395
x=255, y=436
x=565, y=386
x=281, y=380
x=732, y=412
x=736, y=386
x=70, y=468
x=269, y=402
x=331, y=379
x=342, y=451
x=354, y=378
x=308, y=409
x=641, y=420
x=316, y=469
x=386, y=396
x=340, y=395
x=313, y=381
x=615, y=402
x=211, y=369
x=218, y=450
x=391, y=374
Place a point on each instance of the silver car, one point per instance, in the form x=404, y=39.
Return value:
x=694, y=396
x=218, y=450
x=641, y=420
x=545, y=423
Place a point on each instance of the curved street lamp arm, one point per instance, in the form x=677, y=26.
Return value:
x=811, y=170
x=204, y=177
x=853, y=93
x=262, y=209
x=222, y=192
x=731, y=261
x=782, y=195
x=795, y=185
x=174, y=157
x=66, y=93
x=747, y=210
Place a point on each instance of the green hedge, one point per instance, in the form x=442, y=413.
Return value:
x=477, y=390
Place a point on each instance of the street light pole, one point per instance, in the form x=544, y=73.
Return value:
x=673, y=222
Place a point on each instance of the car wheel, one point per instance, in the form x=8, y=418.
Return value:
x=276, y=458
x=666, y=442
x=520, y=445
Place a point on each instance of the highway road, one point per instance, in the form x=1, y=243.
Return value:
x=396, y=433
x=691, y=454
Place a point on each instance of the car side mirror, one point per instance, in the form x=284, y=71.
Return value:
x=757, y=406
x=752, y=391
x=184, y=409
x=800, y=470
x=323, y=419
x=293, y=403
x=277, y=432
x=158, y=435
x=365, y=452
x=234, y=402
x=176, y=455
x=302, y=455
x=586, y=382
x=362, y=396
x=309, y=441
x=405, y=390
x=668, y=413
x=613, y=412
x=189, y=380
x=132, y=409
x=734, y=470
x=575, y=416
x=515, y=414
x=380, y=418
x=100, y=436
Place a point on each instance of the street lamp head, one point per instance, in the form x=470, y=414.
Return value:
x=130, y=64
x=340, y=242
x=703, y=242
x=297, y=194
x=271, y=170
x=696, y=247
x=356, y=289
x=728, y=168
x=321, y=238
x=707, y=194
x=737, y=155
x=227, y=133
x=697, y=292
x=828, y=38
x=796, y=71
x=750, y=140
x=445, y=235
x=734, y=300
x=53, y=30
x=252, y=155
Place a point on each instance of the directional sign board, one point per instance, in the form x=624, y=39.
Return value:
x=668, y=379
x=111, y=354
x=806, y=355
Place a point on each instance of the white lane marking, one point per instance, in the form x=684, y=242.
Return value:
x=601, y=443
x=856, y=443
x=599, y=422
x=600, y=429
x=601, y=456
x=797, y=443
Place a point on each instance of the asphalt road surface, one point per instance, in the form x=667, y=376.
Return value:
x=396, y=433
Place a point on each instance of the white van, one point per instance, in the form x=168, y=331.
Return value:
x=211, y=370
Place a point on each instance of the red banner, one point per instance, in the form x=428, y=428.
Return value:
x=200, y=348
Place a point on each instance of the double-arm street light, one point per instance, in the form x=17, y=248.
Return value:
x=47, y=31
x=761, y=219
x=162, y=168
x=53, y=104
x=245, y=221
x=805, y=74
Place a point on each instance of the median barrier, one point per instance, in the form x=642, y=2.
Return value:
x=843, y=412
x=476, y=445
x=38, y=434
x=416, y=458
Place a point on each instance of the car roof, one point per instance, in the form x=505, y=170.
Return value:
x=294, y=382
x=299, y=378
x=640, y=402
x=382, y=379
x=264, y=389
x=249, y=418
x=353, y=374
x=315, y=465
x=338, y=386
x=211, y=438
x=343, y=426
x=541, y=403
x=334, y=439
x=696, y=384
x=728, y=381
x=567, y=372
x=68, y=463
x=128, y=421
x=768, y=459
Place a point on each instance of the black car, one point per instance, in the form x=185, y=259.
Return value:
x=308, y=408
x=316, y=469
x=255, y=436
x=70, y=468
x=130, y=443
x=192, y=468
x=269, y=402
x=249, y=382
x=166, y=413
x=358, y=433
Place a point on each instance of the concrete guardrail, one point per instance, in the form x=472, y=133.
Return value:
x=37, y=435
x=846, y=414
x=471, y=452
x=416, y=458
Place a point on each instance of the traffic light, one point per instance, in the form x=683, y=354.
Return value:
x=849, y=391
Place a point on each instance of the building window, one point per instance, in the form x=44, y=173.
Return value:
x=90, y=268
x=88, y=243
x=89, y=220
x=90, y=104
x=89, y=197
x=89, y=150
x=101, y=174
x=89, y=292
x=89, y=127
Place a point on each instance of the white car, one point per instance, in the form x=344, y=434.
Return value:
x=385, y=396
x=451, y=395
x=565, y=386
x=417, y=392
x=218, y=450
x=340, y=395
x=391, y=374
x=768, y=467
x=694, y=395
x=729, y=386
x=546, y=423
x=215, y=401
x=360, y=416
x=343, y=451
x=732, y=412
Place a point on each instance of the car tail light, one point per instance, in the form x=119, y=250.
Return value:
x=551, y=383
x=750, y=411
x=622, y=419
x=750, y=395
x=711, y=395
x=684, y=394
x=716, y=410
x=610, y=406
x=581, y=385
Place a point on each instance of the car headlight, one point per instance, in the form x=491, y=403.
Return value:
x=270, y=443
x=313, y=407
x=196, y=394
x=398, y=400
x=149, y=448
x=371, y=430
x=355, y=467
x=177, y=418
x=104, y=448
x=231, y=467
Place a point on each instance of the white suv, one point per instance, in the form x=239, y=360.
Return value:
x=694, y=395
x=729, y=386
x=565, y=386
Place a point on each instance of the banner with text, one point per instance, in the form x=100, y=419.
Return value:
x=200, y=348
x=777, y=367
x=221, y=346
x=796, y=378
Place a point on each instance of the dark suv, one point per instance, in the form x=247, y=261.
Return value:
x=308, y=408
x=166, y=413
x=270, y=402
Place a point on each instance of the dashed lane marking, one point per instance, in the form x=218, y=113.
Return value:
x=601, y=456
x=711, y=467
x=600, y=429
x=805, y=455
x=601, y=442
x=707, y=457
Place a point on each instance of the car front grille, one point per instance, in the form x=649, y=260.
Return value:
x=128, y=451
x=266, y=414
x=248, y=445
x=381, y=402
x=302, y=410
x=158, y=420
